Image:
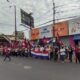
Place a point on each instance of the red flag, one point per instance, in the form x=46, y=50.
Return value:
x=45, y=40
x=58, y=40
x=57, y=37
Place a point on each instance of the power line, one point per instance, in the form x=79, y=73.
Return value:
x=52, y=8
x=57, y=19
x=63, y=12
x=57, y=12
x=66, y=11
x=55, y=7
x=51, y=21
x=47, y=12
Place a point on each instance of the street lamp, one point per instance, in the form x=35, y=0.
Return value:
x=15, y=21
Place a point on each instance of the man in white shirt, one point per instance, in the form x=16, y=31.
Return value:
x=62, y=53
x=41, y=49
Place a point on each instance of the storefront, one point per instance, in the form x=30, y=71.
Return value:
x=65, y=40
x=74, y=30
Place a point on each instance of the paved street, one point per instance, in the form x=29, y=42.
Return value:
x=36, y=69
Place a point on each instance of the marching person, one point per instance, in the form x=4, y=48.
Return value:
x=56, y=52
x=77, y=54
x=51, y=53
x=62, y=54
x=6, y=51
x=26, y=52
x=70, y=51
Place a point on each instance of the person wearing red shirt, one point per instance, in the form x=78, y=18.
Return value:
x=77, y=53
x=6, y=53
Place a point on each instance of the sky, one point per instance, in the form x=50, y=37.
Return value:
x=42, y=11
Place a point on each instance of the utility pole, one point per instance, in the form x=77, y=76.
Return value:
x=15, y=24
x=14, y=21
x=53, y=18
x=53, y=26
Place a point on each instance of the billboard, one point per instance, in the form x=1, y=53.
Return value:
x=74, y=27
x=46, y=32
x=27, y=19
x=61, y=29
x=34, y=34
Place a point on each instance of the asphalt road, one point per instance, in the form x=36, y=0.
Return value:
x=36, y=69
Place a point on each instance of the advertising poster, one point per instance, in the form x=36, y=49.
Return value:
x=46, y=32
x=34, y=34
x=74, y=27
x=61, y=29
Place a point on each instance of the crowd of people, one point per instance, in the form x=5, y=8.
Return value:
x=62, y=54
x=56, y=53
